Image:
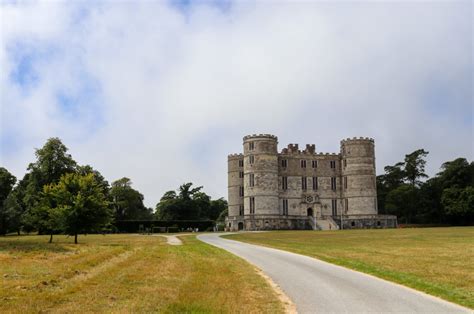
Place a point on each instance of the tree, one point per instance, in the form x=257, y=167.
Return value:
x=77, y=204
x=13, y=212
x=415, y=166
x=7, y=181
x=104, y=184
x=187, y=204
x=403, y=202
x=457, y=173
x=217, y=207
x=459, y=204
x=52, y=162
x=127, y=202
x=392, y=179
x=190, y=203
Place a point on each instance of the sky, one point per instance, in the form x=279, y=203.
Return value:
x=162, y=91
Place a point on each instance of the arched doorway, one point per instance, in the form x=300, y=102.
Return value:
x=309, y=212
x=240, y=226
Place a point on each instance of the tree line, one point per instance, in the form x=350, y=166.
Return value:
x=446, y=198
x=57, y=195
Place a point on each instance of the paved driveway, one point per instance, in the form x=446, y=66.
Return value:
x=319, y=287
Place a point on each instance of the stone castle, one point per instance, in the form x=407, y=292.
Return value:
x=297, y=189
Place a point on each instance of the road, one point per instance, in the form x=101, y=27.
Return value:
x=319, y=287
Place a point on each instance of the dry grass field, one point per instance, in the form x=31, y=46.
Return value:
x=438, y=261
x=127, y=273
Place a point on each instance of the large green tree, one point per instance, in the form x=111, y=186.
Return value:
x=52, y=162
x=77, y=204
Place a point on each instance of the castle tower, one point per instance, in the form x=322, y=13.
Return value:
x=358, y=174
x=235, y=174
x=260, y=177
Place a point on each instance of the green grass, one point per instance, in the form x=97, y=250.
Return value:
x=127, y=273
x=438, y=261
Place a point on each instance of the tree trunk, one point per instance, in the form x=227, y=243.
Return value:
x=18, y=231
x=75, y=238
x=51, y=238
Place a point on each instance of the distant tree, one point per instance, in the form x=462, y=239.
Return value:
x=127, y=202
x=457, y=173
x=403, y=202
x=7, y=181
x=217, y=207
x=77, y=204
x=190, y=203
x=415, y=166
x=13, y=212
x=392, y=179
x=459, y=204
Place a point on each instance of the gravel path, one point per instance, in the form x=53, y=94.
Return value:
x=319, y=287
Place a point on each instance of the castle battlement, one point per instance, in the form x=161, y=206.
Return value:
x=357, y=140
x=235, y=156
x=268, y=136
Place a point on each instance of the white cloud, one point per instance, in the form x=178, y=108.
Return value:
x=178, y=91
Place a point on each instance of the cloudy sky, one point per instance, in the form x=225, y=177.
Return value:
x=162, y=91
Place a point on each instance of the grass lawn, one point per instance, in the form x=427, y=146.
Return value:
x=127, y=273
x=438, y=261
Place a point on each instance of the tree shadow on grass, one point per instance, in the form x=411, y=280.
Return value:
x=28, y=246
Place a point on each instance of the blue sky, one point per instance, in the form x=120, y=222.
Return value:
x=161, y=92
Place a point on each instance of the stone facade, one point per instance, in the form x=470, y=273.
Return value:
x=303, y=189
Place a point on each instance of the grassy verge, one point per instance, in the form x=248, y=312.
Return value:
x=127, y=273
x=438, y=261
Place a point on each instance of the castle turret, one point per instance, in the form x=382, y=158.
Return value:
x=260, y=175
x=235, y=174
x=358, y=175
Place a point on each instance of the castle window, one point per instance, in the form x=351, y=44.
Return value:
x=345, y=183
x=345, y=163
x=334, y=207
x=333, y=164
x=241, y=191
x=241, y=210
x=333, y=183
x=314, y=163
x=284, y=163
x=252, y=179
x=285, y=207
x=346, y=207
x=252, y=205
x=284, y=183
x=251, y=146
x=241, y=163
x=251, y=159
x=303, y=183
x=303, y=163
x=315, y=183
x=241, y=174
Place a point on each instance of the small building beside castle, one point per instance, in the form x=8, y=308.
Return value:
x=303, y=189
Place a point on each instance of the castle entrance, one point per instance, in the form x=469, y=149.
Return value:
x=240, y=226
x=309, y=212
